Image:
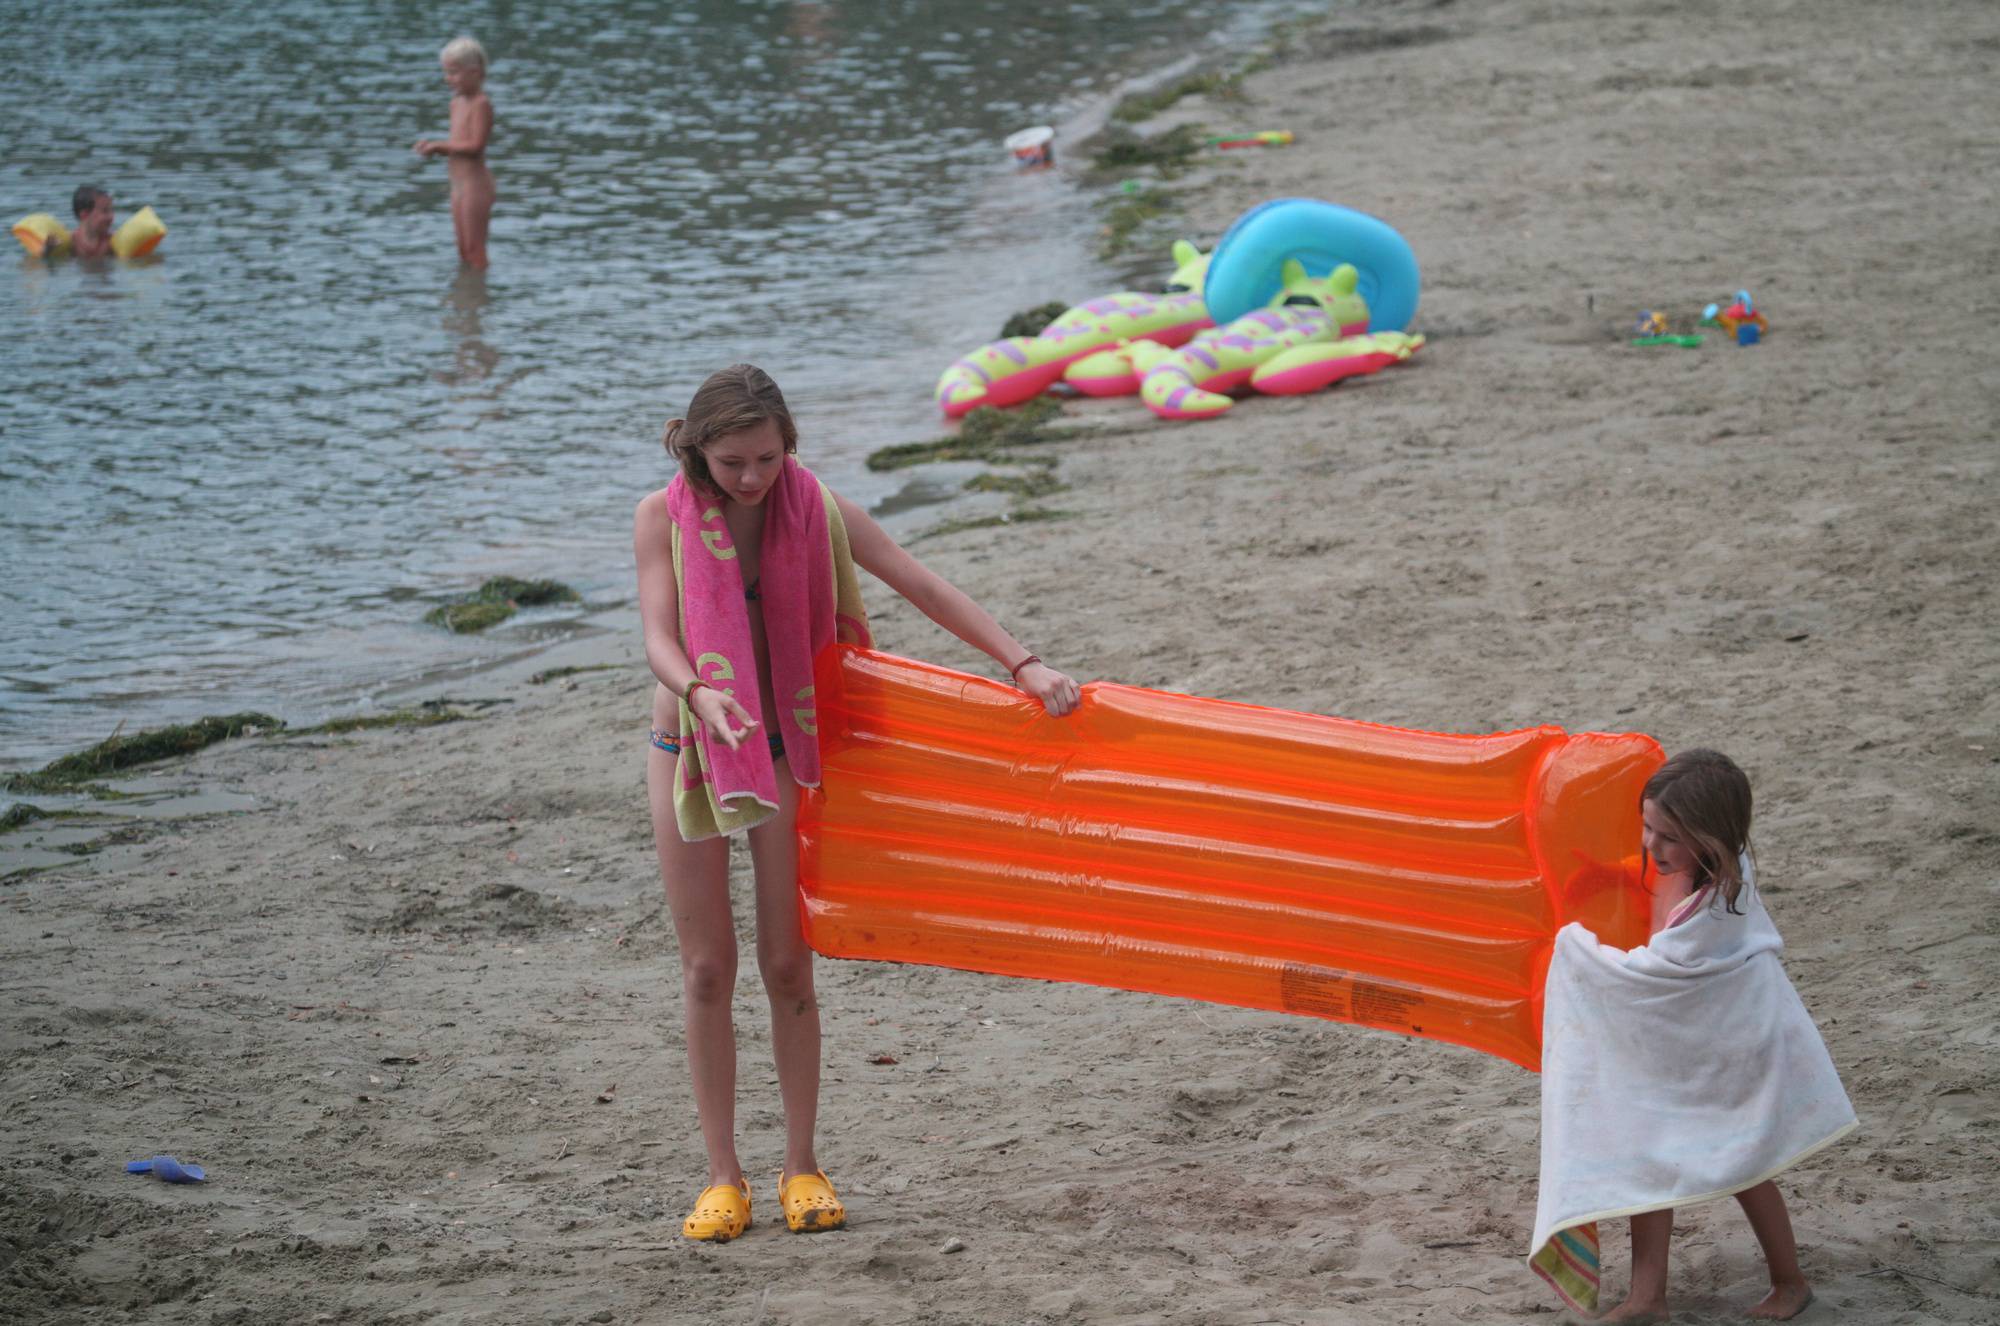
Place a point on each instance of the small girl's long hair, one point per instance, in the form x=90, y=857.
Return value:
x=733, y=399
x=1707, y=798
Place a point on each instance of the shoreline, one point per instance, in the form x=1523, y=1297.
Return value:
x=489, y=408
x=504, y=650
x=921, y=498
x=418, y=1012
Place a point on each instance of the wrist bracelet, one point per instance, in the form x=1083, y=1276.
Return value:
x=1015, y=671
x=687, y=695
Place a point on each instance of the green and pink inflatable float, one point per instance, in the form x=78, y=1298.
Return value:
x=1298, y=294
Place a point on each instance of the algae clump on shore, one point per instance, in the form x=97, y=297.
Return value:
x=1021, y=516
x=80, y=771
x=466, y=618
x=984, y=434
x=1170, y=152
x=1033, y=481
x=1139, y=106
x=118, y=751
x=495, y=601
x=19, y=814
x=555, y=674
x=1032, y=321
x=1125, y=214
x=993, y=435
x=427, y=715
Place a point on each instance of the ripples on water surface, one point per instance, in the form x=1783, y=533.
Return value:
x=237, y=476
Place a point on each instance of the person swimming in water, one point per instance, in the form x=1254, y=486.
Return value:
x=92, y=236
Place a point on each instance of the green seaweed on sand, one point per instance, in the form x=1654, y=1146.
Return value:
x=1125, y=214
x=551, y=674
x=423, y=716
x=1137, y=106
x=994, y=436
x=1026, y=484
x=119, y=836
x=22, y=813
x=80, y=771
x=75, y=771
x=984, y=434
x=1027, y=424
x=1031, y=321
x=495, y=601
x=1024, y=516
x=522, y=593
x=19, y=815
x=467, y=618
x=1170, y=152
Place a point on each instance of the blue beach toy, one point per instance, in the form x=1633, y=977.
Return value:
x=167, y=1170
x=1245, y=274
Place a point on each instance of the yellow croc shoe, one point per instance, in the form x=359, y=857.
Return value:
x=811, y=1205
x=719, y=1215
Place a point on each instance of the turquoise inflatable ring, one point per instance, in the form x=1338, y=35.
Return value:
x=1244, y=275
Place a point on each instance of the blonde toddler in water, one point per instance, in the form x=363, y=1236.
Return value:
x=472, y=193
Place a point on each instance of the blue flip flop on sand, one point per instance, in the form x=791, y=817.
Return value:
x=167, y=1170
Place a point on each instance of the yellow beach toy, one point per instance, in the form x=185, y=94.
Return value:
x=42, y=235
x=140, y=235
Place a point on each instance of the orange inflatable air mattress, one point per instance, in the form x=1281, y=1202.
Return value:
x=1412, y=881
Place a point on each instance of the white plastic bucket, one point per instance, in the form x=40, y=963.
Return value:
x=1033, y=147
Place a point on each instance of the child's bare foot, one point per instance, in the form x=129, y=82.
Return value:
x=1784, y=1302
x=1637, y=1313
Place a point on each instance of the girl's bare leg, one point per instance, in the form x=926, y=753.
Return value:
x=696, y=876
x=1648, y=1300
x=481, y=217
x=459, y=234
x=785, y=963
x=1772, y=1225
x=471, y=213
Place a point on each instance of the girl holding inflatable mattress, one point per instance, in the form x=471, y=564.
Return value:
x=1683, y=1071
x=746, y=572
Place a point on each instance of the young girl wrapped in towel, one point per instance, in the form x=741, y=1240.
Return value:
x=1683, y=1071
x=746, y=571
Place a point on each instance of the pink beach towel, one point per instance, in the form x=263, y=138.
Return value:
x=797, y=589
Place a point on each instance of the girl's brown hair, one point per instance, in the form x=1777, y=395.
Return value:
x=1705, y=796
x=733, y=399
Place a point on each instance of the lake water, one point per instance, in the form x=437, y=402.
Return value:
x=236, y=477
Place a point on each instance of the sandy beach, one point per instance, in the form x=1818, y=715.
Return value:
x=418, y=1012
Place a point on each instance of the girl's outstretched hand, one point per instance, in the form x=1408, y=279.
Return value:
x=1057, y=692
x=716, y=710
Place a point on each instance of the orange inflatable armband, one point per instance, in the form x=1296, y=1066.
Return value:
x=1412, y=881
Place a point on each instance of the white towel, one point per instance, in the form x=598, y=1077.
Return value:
x=1672, y=1074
